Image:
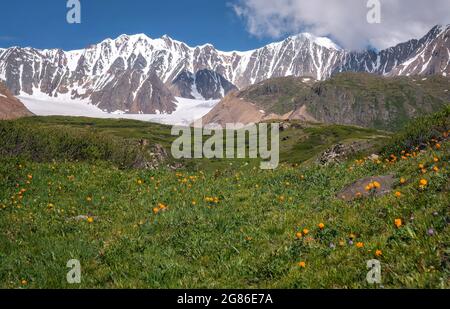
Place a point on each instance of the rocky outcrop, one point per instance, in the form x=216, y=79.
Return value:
x=341, y=152
x=11, y=107
x=154, y=156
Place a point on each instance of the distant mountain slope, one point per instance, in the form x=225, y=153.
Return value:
x=360, y=99
x=431, y=57
x=377, y=102
x=10, y=107
x=203, y=85
x=134, y=73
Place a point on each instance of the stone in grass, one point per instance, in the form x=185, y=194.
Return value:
x=358, y=189
x=82, y=218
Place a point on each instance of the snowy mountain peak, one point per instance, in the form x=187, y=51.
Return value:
x=321, y=41
x=137, y=73
x=442, y=28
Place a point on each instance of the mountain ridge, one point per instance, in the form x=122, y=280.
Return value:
x=358, y=99
x=139, y=70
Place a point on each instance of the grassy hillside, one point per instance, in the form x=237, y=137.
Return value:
x=236, y=227
x=47, y=139
x=278, y=95
x=354, y=98
x=377, y=102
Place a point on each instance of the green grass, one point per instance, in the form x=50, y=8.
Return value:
x=419, y=132
x=47, y=139
x=315, y=139
x=42, y=143
x=244, y=240
x=278, y=95
x=129, y=129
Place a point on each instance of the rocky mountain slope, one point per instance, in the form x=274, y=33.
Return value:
x=11, y=107
x=134, y=73
x=361, y=99
x=203, y=85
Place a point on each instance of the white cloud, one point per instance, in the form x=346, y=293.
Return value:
x=344, y=20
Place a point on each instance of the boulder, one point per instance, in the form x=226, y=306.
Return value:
x=358, y=190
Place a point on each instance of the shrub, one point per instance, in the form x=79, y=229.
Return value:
x=43, y=144
x=419, y=132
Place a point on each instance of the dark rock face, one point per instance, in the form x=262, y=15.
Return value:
x=431, y=57
x=212, y=85
x=135, y=93
x=182, y=85
x=126, y=73
x=205, y=84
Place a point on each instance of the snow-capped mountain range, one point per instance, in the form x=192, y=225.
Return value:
x=137, y=74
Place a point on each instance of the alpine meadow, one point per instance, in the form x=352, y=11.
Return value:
x=313, y=158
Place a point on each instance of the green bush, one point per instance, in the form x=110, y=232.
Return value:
x=43, y=144
x=419, y=132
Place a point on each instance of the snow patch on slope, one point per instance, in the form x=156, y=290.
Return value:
x=321, y=41
x=187, y=110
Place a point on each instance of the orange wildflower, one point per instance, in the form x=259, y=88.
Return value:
x=423, y=182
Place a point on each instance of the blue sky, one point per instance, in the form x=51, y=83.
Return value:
x=42, y=24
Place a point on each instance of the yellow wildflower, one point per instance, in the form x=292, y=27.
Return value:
x=302, y=264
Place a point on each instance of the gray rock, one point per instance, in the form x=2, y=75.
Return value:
x=340, y=152
x=358, y=188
